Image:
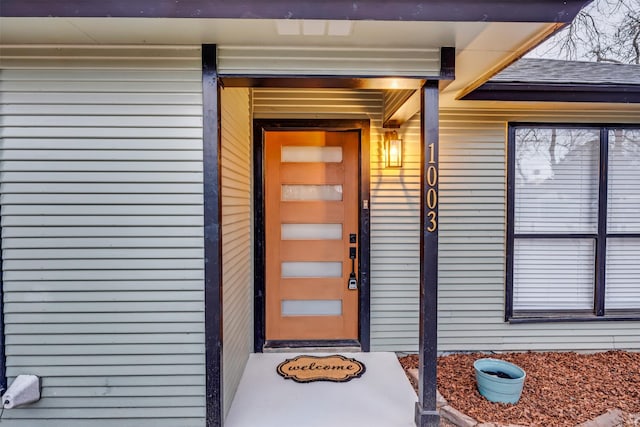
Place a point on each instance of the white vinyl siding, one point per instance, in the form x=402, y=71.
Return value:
x=237, y=263
x=102, y=234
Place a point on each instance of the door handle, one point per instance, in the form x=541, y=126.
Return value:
x=353, y=281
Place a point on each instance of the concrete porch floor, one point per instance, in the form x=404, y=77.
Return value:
x=382, y=397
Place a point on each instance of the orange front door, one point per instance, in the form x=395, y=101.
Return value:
x=311, y=209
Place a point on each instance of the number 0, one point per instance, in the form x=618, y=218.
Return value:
x=432, y=198
x=432, y=176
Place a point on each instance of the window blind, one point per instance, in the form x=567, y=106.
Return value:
x=556, y=181
x=623, y=274
x=556, y=192
x=623, y=212
x=623, y=216
x=553, y=274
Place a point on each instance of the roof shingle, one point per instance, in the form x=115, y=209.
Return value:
x=553, y=71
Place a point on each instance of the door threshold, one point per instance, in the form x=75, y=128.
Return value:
x=333, y=346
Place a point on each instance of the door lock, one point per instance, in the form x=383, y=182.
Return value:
x=353, y=282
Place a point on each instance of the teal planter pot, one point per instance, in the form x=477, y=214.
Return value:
x=499, y=381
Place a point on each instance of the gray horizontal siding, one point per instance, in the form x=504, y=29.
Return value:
x=237, y=261
x=102, y=244
x=395, y=246
x=472, y=236
x=472, y=226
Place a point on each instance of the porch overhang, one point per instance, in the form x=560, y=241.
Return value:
x=445, y=73
x=366, y=49
x=381, y=54
x=561, y=11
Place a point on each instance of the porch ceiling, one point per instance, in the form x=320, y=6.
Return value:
x=482, y=48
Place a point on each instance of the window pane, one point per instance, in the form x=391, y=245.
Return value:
x=311, y=154
x=311, y=269
x=311, y=192
x=556, y=180
x=311, y=231
x=311, y=307
x=623, y=274
x=623, y=214
x=553, y=274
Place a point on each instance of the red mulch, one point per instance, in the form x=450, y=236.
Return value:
x=561, y=389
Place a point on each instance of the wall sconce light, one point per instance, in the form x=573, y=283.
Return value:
x=392, y=150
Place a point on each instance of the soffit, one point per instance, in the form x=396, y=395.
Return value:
x=233, y=31
x=482, y=48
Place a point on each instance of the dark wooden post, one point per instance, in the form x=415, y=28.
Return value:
x=212, y=236
x=426, y=413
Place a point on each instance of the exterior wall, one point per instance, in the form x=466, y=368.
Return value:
x=237, y=265
x=472, y=208
x=395, y=194
x=472, y=238
x=395, y=246
x=102, y=234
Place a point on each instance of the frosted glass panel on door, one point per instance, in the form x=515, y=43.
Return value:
x=311, y=154
x=311, y=269
x=556, y=180
x=622, y=290
x=623, y=214
x=311, y=308
x=311, y=231
x=292, y=193
x=553, y=274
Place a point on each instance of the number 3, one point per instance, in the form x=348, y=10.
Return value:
x=433, y=225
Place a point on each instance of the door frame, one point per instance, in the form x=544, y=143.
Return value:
x=364, y=297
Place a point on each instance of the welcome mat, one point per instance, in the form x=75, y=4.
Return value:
x=306, y=369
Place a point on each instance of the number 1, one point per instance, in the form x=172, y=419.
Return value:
x=432, y=156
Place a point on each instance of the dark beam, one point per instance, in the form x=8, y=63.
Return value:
x=447, y=63
x=558, y=92
x=212, y=236
x=409, y=10
x=324, y=82
x=411, y=105
x=426, y=413
x=601, y=240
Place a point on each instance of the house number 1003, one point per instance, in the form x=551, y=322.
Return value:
x=432, y=193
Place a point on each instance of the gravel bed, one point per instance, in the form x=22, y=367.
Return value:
x=561, y=389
